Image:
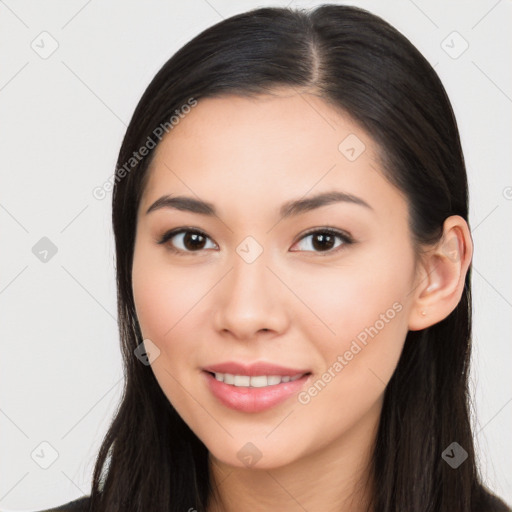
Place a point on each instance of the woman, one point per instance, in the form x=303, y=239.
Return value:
x=293, y=266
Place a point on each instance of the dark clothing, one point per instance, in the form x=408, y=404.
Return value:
x=491, y=503
x=487, y=503
x=79, y=505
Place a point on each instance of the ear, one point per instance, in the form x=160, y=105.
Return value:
x=441, y=275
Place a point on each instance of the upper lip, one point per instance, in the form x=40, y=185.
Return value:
x=253, y=369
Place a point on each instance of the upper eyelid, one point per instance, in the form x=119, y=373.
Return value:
x=171, y=233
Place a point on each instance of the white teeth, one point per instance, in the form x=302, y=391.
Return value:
x=242, y=380
x=257, y=381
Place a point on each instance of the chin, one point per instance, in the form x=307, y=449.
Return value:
x=253, y=455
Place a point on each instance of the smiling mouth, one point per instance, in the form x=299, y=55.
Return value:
x=255, y=381
x=254, y=393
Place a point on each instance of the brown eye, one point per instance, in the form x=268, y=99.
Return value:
x=324, y=240
x=186, y=241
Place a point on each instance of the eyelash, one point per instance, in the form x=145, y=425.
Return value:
x=345, y=237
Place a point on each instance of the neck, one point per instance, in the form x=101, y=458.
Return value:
x=336, y=477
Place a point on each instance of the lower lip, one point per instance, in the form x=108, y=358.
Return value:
x=247, y=399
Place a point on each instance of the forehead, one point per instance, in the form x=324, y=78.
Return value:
x=249, y=152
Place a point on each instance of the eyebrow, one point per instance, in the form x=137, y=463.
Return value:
x=288, y=209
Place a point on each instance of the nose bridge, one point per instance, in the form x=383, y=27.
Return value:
x=250, y=297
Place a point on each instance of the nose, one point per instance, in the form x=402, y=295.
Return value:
x=250, y=300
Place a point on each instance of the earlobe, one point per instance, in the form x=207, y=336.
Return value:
x=442, y=275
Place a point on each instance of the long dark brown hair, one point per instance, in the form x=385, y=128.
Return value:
x=149, y=459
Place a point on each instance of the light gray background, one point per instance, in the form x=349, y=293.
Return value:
x=62, y=121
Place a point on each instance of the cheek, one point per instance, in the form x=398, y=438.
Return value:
x=166, y=301
x=365, y=307
x=359, y=310
x=163, y=296
x=351, y=299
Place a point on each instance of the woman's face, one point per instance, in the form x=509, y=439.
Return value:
x=264, y=283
